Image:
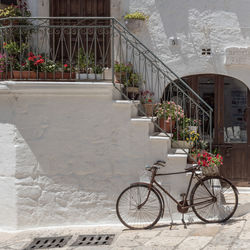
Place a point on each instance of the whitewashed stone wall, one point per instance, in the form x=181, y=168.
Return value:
x=215, y=24
x=67, y=151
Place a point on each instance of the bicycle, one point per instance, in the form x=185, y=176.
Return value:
x=213, y=199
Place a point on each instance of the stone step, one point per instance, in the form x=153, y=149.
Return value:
x=133, y=105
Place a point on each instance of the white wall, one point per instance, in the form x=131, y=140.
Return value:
x=67, y=152
x=215, y=24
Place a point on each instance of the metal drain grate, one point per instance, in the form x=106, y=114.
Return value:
x=48, y=242
x=101, y=239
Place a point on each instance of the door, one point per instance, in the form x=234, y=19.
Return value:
x=81, y=34
x=229, y=99
x=79, y=8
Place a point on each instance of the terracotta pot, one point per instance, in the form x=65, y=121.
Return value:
x=119, y=76
x=57, y=75
x=25, y=75
x=4, y=75
x=166, y=126
x=149, y=109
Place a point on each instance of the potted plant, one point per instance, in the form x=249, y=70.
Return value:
x=122, y=72
x=194, y=125
x=210, y=163
x=134, y=20
x=84, y=64
x=167, y=113
x=31, y=68
x=132, y=86
x=185, y=138
x=97, y=72
x=147, y=102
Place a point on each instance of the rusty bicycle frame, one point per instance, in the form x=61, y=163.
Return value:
x=182, y=207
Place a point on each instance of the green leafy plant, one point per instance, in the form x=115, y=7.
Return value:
x=98, y=69
x=121, y=67
x=136, y=15
x=134, y=80
x=84, y=62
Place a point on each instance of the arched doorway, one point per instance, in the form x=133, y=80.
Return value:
x=230, y=99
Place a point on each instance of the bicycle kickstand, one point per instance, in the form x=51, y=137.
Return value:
x=183, y=221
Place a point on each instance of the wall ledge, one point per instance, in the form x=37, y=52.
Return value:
x=55, y=88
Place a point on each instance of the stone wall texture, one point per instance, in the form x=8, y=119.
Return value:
x=215, y=24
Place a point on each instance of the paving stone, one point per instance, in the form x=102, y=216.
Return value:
x=162, y=241
x=212, y=247
x=205, y=231
x=194, y=242
x=241, y=244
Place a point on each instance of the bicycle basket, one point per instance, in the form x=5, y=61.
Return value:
x=210, y=171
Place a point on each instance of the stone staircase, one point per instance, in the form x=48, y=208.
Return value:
x=159, y=147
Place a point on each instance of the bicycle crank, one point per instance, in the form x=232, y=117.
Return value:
x=182, y=207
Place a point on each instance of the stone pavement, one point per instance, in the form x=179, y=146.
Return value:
x=235, y=234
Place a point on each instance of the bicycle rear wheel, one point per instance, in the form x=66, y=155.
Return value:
x=133, y=216
x=214, y=199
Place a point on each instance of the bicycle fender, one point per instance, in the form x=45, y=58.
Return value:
x=156, y=190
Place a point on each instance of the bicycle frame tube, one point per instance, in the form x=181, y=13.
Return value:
x=167, y=193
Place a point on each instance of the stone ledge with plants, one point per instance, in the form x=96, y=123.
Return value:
x=134, y=21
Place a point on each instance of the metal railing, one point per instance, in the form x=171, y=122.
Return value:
x=98, y=48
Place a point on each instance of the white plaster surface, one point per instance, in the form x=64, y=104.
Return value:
x=215, y=24
x=68, y=152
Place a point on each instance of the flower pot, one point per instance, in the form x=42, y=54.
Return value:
x=166, y=126
x=149, y=109
x=119, y=76
x=182, y=144
x=4, y=75
x=193, y=128
x=132, y=92
x=24, y=75
x=134, y=24
x=210, y=171
x=57, y=75
x=95, y=76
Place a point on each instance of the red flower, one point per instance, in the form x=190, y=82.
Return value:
x=31, y=58
x=66, y=65
x=31, y=54
x=149, y=100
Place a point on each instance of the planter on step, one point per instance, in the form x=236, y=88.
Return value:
x=24, y=75
x=182, y=144
x=132, y=92
x=4, y=75
x=57, y=76
x=84, y=76
x=148, y=108
x=166, y=126
x=134, y=24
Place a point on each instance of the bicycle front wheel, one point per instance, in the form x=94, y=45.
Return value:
x=214, y=199
x=134, y=216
